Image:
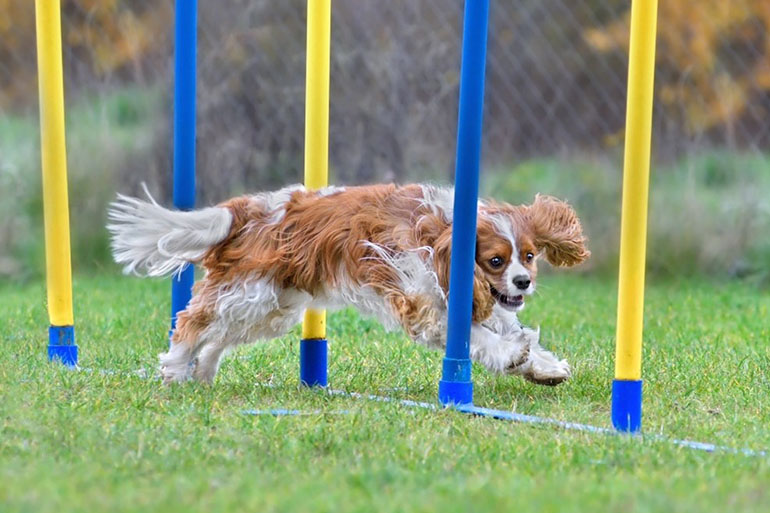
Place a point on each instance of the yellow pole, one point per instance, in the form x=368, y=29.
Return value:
x=636, y=174
x=317, y=123
x=54, y=162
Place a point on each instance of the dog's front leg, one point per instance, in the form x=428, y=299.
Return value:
x=501, y=353
x=542, y=366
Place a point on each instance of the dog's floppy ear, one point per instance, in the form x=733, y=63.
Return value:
x=483, y=300
x=557, y=231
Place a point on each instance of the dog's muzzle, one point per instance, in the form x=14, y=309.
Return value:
x=510, y=302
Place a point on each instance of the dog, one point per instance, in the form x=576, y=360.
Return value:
x=383, y=249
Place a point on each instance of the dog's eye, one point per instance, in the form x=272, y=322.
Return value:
x=496, y=262
x=530, y=256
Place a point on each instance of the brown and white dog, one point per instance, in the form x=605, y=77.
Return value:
x=383, y=249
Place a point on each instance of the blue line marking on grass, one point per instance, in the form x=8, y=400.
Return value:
x=531, y=419
x=469, y=409
x=291, y=413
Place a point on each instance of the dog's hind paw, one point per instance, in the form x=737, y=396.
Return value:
x=175, y=371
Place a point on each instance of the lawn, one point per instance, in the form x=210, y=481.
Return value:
x=108, y=438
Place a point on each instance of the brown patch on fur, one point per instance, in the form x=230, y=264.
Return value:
x=417, y=314
x=197, y=316
x=483, y=300
x=489, y=244
x=316, y=235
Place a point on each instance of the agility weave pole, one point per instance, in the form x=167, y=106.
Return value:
x=627, y=386
x=456, y=386
x=61, y=333
x=185, y=43
x=313, y=366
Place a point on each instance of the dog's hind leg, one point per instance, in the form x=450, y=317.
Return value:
x=207, y=364
x=176, y=365
x=197, y=357
x=245, y=313
x=192, y=328
x=419, y=317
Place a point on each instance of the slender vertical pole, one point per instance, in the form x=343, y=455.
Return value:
x=185, y=42
x=455, y=386
x=627, y=386
x=61, y=333
x=313, y=346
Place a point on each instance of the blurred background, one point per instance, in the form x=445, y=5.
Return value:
x=555, y=105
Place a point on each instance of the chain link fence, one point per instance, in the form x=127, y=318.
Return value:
x=555, y=85
x=556, y=81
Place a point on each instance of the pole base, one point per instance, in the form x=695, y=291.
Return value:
x=313, y=362
x=455, y=387
x=61, y=345
x=455, y=393
x=627, y=405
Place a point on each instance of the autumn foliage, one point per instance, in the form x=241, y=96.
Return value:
x=100, y=38
x=713, y=57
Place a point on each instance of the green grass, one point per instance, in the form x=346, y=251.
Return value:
x=88, y=441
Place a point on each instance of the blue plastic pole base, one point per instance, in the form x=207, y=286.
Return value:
x=313, y=358
x=61, y=345
x=455, y=393
x=627, y=405
x=456, y=387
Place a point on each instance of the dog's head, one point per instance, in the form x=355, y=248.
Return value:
x=510, y=239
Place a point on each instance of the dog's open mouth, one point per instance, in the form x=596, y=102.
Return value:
x=508, y=301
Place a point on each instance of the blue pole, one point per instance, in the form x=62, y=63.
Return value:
x=455, y=386
x=185, y=40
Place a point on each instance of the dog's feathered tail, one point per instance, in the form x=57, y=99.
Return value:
x=155, y=241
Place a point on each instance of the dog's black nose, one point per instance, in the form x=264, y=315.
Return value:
x=522, y=281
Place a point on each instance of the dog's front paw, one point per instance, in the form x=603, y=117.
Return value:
x=548, y=373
